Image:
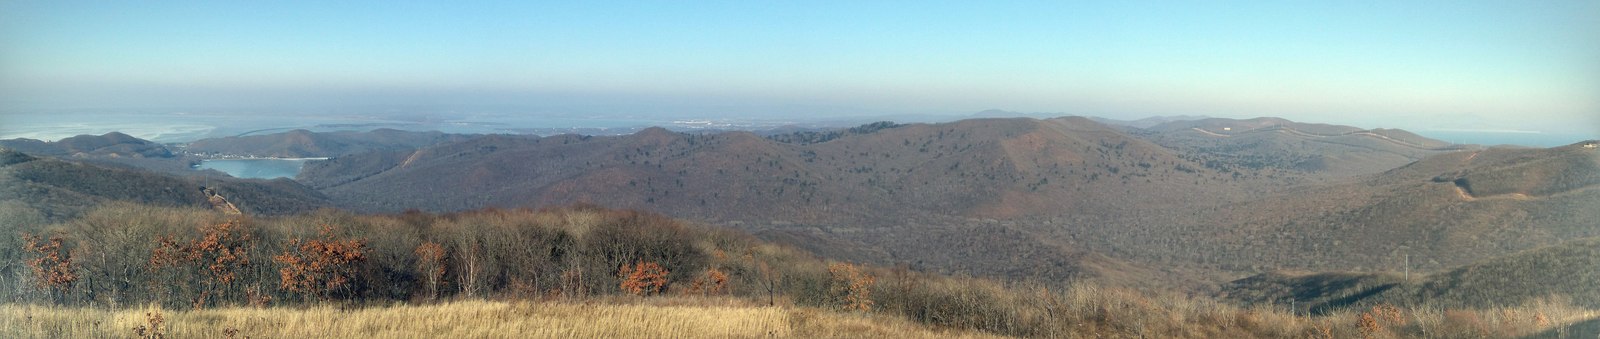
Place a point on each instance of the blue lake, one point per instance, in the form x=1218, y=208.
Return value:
x=256, y=168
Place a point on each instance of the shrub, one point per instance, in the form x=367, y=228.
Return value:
x=430, y=266
x=153, y=327
x=851, y=288
x=321, y=267
x=219, y=255
x=643, y=278
x=51, y=264
x=713, y=282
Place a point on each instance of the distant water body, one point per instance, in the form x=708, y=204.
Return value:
x=1508, y=138
x=256, y=168
x=186, y=127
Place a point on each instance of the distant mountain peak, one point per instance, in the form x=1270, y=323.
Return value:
x=656, y=136
x=654, y=131
x=114, y=135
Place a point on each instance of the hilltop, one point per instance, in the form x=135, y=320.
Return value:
x=1295, y=149
x=112, y=144
x=111, y=149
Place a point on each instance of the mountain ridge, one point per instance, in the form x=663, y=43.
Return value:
x=1067, y=197
x=111, y=144
x=302, y=143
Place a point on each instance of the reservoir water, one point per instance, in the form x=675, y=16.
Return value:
x=257, y=168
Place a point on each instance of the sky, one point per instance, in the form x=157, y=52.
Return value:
x=1446, y=65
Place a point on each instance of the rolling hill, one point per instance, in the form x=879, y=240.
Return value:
x=61, y=188
x=1180, y=203
x=892, y=195
x=1301, y=150
x=112, y=149
x=112, y=144
x=981, y=168
x=1445, y=211
x=1004, y=196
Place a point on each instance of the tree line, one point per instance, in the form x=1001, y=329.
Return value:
x=125, y=254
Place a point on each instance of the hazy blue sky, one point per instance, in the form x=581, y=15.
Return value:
x=1522, y=65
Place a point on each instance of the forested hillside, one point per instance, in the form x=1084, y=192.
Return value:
x=1568, y=272
x=209, y=273
x=62, y=189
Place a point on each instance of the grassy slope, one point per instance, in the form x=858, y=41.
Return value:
x=1109, y=315
x=471, y=319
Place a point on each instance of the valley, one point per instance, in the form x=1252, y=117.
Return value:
x=775, y=169
x=1058, y=198
x=1255, y=212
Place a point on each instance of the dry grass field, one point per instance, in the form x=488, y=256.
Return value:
x=700, y=317
x=655, y=318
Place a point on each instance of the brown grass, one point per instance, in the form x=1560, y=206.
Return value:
x=1082, y=312
x=1092, y=311
x=611, y=318
x=1088, y=313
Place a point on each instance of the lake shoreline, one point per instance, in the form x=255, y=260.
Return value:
x=256, y=168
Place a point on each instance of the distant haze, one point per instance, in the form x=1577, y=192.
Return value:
x=1417, y=65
